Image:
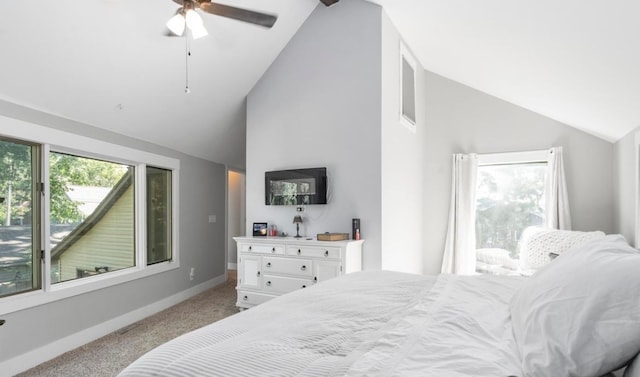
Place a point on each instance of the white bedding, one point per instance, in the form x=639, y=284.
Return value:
x=363, y=324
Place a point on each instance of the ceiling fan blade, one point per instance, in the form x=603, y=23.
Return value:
x=257, y=18
x=325, y=2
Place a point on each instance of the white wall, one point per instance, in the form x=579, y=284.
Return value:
x=202, y=245
x=626, y=168
x=461, y=119
x=402, y=163
x=319, y=105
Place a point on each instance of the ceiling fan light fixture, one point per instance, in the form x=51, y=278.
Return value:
x=195, y=24
x=198, y=31
x=193, y=18
x=177, y=23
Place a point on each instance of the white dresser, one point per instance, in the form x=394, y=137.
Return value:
x=271, y=266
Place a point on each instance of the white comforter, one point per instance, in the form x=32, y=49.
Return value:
x=363, y=324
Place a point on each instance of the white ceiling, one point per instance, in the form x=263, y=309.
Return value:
x=108, y=63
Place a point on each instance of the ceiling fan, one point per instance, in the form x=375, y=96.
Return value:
x=186, y=15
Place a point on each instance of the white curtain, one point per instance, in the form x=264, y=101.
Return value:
x=460, y=246
x=556, y=209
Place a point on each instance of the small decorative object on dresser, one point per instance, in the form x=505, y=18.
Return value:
x=297, y=220
x=332, y=236
x=259, y=229
x=270, y=267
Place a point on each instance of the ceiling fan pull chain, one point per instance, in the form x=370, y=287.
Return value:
x=186, y=63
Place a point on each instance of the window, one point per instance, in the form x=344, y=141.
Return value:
x=72, y=221
x=20, y=229
x=509, y=198
x=407, y=89
x=158, y=215
x=91, y=217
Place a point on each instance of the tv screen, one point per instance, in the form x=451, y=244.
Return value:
x=296, y=187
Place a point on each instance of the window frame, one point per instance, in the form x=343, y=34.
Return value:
x=405, y=55
x=511, y=158
x=66, y=142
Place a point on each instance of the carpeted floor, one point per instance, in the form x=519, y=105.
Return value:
x=109, y=355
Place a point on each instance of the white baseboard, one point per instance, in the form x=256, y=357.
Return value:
x=232, y=266
x=47, y=352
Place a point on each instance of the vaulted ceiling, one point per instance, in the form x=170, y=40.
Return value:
x=110, y=64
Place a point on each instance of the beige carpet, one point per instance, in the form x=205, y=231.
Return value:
x=109, y=355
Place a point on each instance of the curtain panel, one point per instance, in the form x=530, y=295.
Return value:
x=460, y=245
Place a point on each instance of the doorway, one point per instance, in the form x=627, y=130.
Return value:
x=236, y=214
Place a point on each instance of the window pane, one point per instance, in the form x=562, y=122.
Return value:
x=408, y=91
x=19, y=263
x=158, y=215
x=509, y=198
x=92, y=216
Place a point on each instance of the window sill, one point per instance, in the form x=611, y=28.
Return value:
x=77, y=287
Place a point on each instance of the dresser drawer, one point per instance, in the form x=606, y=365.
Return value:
x=289, y=266
x=314, y=251
x=284, y=284
x=262, y=248
x=247, y=299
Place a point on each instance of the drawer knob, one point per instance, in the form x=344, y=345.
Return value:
x=299, y=252
x=326, y=253
x=268, y=284
x=245, y=298
x=269, y=264
x=304, y=286
x=303, y=268
x=258, y=273
x=273, y=249
x=249, y=248
x=315, y=279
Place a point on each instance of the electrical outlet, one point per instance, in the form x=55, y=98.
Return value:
x=192, y=274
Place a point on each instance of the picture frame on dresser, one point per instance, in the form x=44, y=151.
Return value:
x=259, y=229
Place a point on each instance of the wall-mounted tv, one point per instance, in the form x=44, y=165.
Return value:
x=296, y=187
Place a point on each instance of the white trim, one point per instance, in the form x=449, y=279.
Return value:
x=65, y=142
x=232, y=266
x=47, y=352
x=405, y=54
x=637, y=177
x=68, y=142
x=140, y=192
x=513, y=157
x=60, y=291
x=44, y=223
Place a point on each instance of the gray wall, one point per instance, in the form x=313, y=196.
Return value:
x=626, y=170
x=202, y=192
x=319, y=105
x=461, y=119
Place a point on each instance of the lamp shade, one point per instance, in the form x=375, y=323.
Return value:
x=198, y=31
x=176, y=24
x=297, y=219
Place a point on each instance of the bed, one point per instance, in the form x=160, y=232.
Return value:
x=577, y=316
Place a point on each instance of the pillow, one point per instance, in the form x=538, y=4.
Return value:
x=537, y=243
x=580, y=315
x=633, y=370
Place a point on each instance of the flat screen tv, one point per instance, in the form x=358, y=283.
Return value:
x=296, y=187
